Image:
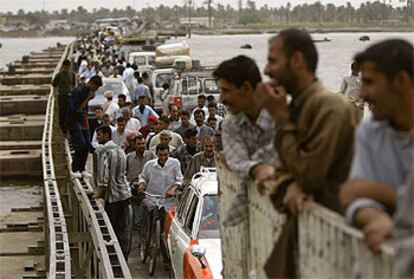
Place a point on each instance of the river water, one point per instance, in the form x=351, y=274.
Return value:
x=334, y=63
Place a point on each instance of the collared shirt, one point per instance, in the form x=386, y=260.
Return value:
x=120, y=139
x=111, y=172
x=181, y=130
x=140, y=90
x=315, y=145
x=184, y=156
x=143, y=116
x=78, y=118
x=383, y=155
x=246, y=144
x=136, y=163
x=199, y=160
x=159, y=179
x=65, y=82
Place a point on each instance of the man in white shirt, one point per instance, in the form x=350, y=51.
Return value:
x=201, y=104
x=163, y=124
x=212, y=113
x=132, y=124
x=106, y=121
x=119, y=136
x=110, y=107
x=350, y=87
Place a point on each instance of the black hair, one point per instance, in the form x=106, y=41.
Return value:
x=212, y=106
x=140, y=80
x=104, y=130
x=211, y=118
x=66, y=63
x=190, y=133
x=239, y=70
x=197, y=111
x=122, y=96
x=185, y=113
x=210, y=98
x=98, y=107
x=145, y=75
x=390, y=57
x=295, y=40
x=162, y=146
x=201, y=96
x=120, y=119
x=97, y=80
x=164, y=119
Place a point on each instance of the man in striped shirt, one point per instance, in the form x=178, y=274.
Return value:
x=112, y=184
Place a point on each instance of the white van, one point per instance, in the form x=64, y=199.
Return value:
x=145, y=60
x=159, y=77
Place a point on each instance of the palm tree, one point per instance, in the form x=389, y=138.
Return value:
x=209, y=3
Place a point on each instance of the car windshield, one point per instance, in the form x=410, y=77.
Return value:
x=114, y=87
x=151, y=60
x=209, y=225
x=191, y=85
x=211, y=86
x=162, y=78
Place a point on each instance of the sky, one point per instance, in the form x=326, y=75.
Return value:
x=51, y=5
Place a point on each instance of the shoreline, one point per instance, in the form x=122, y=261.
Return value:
x=254, y=30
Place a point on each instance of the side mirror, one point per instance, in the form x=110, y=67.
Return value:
x=199, y=252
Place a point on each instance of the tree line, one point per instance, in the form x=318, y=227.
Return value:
x=246, y=13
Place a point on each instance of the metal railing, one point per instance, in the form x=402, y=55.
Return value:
x=328, y=246
x=102, y=257
x=57, y=241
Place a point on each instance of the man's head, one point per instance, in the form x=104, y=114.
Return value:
x=109, y=95
x=209, y=143
x=212, y=110
x=185, y=118
x=211, y=100
x=174, y=112
x=387, y=77
x=140, y=144
x=191, y=138
x=163, y=152
x=141, y=100
x=201, y=101
x=145, y=75
x=292, y=57
x=106, y=119
x=140, y=80
x=152, y=121
x=98, y=113
x=66, y=65
x=121, y=100
x=120, y=124
x=103, y=134
x=131, y=138
x=94, y=83
x=126, y=113
x=199, y=117
x=355, y=69
x=212, y=121
x=163, y=124
x=237, y=79
x=165, y=137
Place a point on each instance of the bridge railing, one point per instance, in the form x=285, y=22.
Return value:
x=328, y=246
x=56, y=235
x=100, y=254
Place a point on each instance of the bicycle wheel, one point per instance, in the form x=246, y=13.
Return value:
x=129, y=223
x=144, y=240
x=154, y=246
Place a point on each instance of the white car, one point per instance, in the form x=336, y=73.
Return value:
x=115, y=85
x=192, y=232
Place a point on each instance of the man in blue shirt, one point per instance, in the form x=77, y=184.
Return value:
x=78, y=124
x=142, y=111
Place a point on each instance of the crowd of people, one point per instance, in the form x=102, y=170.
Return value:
x=314, y=145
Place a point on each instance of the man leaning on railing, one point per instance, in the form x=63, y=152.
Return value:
x=383, y=159
x=314, y=138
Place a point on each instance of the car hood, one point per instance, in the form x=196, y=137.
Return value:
x=213, y=255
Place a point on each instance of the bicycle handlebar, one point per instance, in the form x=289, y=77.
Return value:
x=154, y=195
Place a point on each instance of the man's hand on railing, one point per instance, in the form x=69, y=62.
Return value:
x=261, y=173
x=294, y=198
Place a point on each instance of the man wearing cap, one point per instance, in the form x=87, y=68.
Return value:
x=109, y=106
x=143, y=111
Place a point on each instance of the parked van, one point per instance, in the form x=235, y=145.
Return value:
x=145, y=60
x=159, y=77
x=185, y=87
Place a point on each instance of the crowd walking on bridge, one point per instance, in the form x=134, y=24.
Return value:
x=294, y=137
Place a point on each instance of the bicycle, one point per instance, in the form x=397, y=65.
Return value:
x=150, y=236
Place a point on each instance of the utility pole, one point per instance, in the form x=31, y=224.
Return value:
x=189, y=18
